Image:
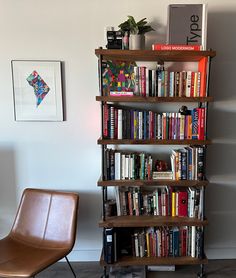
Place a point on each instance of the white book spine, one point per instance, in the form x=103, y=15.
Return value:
x=126, y=166
x=117, y=165
x=140, y=125
x=171, y=85
x=193, y=242
x=123, y=166
x=119, y=126
x=188, y=84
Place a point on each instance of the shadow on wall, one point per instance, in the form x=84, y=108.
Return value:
x=8, y=194
x=90, y=209
x=222, y=112
x=221, y=156
x=220, y=206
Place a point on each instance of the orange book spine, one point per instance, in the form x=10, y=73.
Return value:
x=202, y=68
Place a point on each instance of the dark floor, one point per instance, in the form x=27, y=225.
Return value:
x=214, y=269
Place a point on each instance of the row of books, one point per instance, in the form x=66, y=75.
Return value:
x=188, y=163
x=127, y=166
x=152, y=242
x=162, y=201
x=168, y=242
x=163, y=83
x=121, y=123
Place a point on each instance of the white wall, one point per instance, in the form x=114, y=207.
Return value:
x=64, y=155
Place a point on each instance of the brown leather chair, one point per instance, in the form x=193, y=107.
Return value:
x=43, y=232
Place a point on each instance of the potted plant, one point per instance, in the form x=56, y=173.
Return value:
x=136, y=31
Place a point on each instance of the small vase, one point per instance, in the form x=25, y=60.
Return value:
x=136, y=42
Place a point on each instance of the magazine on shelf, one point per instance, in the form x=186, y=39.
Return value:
x=187, y=24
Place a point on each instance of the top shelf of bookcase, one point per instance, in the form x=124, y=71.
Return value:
x=154, y=55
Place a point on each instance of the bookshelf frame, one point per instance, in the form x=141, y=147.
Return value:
x=146, y=221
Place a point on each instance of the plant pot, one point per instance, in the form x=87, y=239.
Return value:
x=136, y=42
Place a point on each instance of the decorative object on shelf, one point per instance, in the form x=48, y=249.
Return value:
x=191, y=29
x=37, y=89
x=114, y=40
x=136, y=31
x=161, y=165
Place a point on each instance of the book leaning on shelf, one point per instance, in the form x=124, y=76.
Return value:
x=187, y=24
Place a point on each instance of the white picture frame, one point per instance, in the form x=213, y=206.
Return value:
x=37, y=90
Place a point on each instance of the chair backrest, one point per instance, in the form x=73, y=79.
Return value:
x=46, y=219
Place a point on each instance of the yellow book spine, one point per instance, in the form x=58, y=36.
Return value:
x=148, y=244
x=173, y=204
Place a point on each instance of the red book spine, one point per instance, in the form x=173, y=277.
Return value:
x=184, y=242
x=201, y=123
x=183, y=204
x=143, y=81
x=192, y=84
x=105, y=120
x=159, y=46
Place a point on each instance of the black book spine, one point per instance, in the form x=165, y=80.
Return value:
x=200, y=163
x=109, y=245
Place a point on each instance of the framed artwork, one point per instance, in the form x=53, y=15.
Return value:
x=37, y=90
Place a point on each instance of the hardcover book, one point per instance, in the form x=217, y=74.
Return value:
x=118, y=78
x=187, y=24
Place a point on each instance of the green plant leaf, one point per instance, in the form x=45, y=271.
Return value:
x=134, y=27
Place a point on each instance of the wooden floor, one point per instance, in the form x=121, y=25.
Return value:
x=215, y=269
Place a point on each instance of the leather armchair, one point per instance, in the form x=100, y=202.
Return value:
x=43, y=232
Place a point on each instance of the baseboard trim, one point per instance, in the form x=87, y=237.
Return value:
x=221, y=253
x=84, y=255
x=94, y=255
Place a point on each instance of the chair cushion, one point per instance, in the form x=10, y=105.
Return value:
x=22, y=260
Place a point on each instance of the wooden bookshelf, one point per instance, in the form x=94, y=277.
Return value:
x=153, y=99
x=149, y=221
x=153, y=55
x=149, y=183
x=129, y=260
x=145, y=221
x=151, y=142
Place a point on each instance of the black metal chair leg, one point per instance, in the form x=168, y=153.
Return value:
x=72, y=270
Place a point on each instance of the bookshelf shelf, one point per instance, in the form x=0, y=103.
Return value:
x=151, y=142
x=153, y=55
x=153, y=99
x=147, y=221
x=136, y=196
x=176, y=183
x=128, y=260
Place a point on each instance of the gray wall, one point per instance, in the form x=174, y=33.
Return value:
x=64, y=155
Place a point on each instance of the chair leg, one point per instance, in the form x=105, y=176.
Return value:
x=72, y=270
